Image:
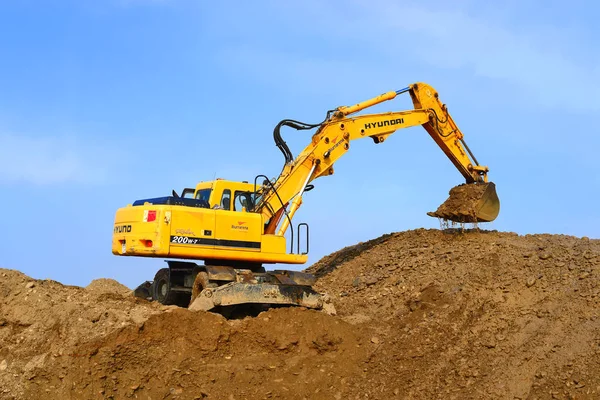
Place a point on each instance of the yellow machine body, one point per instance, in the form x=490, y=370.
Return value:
x=225, y=230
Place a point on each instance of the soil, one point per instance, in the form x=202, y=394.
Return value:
x=103, y=285
x=462, y=203
x=422, y=314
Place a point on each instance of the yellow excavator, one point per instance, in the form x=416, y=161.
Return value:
x=236, y=228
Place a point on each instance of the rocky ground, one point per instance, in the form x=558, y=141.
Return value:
x=423, y=314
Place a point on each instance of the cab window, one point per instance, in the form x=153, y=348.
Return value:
x=242, y=199
x=203, y=194
x=187, y=193
x=226, y=200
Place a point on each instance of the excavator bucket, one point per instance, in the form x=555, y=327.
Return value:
x=470, y=202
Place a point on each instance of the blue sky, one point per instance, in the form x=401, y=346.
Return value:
x=103, y=103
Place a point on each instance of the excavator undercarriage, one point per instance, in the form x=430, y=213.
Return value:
x=214, y=287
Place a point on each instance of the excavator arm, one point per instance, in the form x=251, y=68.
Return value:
x=280, y=199
x=438, y=123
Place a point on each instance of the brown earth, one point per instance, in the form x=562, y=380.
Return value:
x=422, y=314
x=462, y=203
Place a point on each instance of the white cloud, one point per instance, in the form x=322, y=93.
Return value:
x=537, y=64
x=526, y=57
x=48, y=160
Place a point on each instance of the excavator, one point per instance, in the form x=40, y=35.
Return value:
x=236, y=228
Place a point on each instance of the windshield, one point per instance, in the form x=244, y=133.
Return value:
x=203, y=194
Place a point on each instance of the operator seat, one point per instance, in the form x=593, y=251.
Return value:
x=225, y=203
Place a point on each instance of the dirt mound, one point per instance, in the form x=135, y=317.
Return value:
x=104, y=285
x=475, y=314
x=42, y=319
x=421, y=314
x=188, y=355
x=60, y=341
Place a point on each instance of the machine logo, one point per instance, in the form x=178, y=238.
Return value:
x=184, y=232
x=122, y=229
x=381, y=124
x=332, y=148
x=240, y=226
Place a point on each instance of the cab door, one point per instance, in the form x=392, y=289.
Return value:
x=236, y=229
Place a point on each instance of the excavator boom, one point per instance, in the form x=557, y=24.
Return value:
x=475, y=201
